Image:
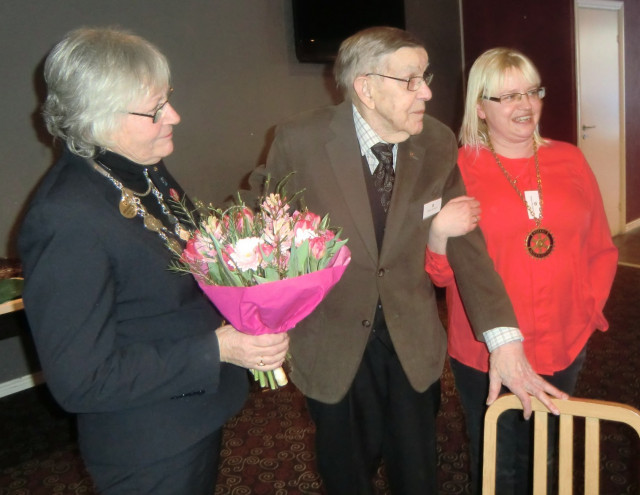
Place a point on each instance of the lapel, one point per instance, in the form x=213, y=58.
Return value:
x=346, y=162
x=409, y=162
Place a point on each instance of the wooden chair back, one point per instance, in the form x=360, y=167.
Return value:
x=591, y=410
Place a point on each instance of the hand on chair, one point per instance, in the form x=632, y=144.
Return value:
x=509, y=366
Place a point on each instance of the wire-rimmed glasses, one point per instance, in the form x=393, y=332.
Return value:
x=157, y=113
x=413, y=83
x=532, y=94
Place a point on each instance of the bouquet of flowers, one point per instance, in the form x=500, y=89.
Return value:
x=264, y=270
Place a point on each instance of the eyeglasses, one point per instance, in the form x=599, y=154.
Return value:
x=157, y=113
x=532, y=94
x=413, y=83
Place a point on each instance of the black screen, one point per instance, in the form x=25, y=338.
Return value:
x=321, y=25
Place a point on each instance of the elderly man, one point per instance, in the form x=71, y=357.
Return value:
x=369, y=359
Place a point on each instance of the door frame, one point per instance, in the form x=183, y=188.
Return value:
x=618, y=6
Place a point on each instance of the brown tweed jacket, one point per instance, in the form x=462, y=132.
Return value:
x=322, y=148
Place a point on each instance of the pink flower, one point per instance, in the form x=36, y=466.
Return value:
x=266, y=249
x=306, y=221
x=305, y=226
x=190, y=254
x=318, y=247
x=213, y=227
x=278, y=232
x=274, y=207
x=243, y=218
x=205, y=247
x=328, y=235
x=174, y=194
x=302, y=235
x=193, y=258
x=246, y=254
x=227, y=253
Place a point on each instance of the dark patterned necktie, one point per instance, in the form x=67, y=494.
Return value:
x=384, y=176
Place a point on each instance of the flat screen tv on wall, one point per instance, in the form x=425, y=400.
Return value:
x=321, y=25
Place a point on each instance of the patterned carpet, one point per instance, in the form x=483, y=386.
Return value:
x=268, y=446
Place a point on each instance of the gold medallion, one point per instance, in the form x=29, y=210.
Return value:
x=174, y=245
x=539, y=243
x=130, y=207
x=127, y=206
x=152, y=223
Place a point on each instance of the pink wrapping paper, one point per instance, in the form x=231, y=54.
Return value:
x=275, y=307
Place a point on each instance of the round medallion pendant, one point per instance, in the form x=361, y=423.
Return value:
x=127, y=206
x=539, y=243
x=152, y=223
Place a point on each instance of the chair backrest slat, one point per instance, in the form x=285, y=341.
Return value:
x=592, y=410
x=565, y=456
x=540, y=438
x=591, y=456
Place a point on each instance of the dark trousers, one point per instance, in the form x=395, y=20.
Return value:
x=192, y=472
x=514, y=452
x=381, y=417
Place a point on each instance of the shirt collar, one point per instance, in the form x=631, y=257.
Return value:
x=367, y=137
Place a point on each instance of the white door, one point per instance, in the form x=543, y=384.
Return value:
x=600, y=57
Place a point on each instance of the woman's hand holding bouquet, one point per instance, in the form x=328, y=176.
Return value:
x=266, y=351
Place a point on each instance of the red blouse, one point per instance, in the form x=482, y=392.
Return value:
x=558, y=300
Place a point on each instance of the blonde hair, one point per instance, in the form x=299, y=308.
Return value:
x=485, y=78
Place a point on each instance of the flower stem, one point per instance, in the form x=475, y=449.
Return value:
x=272, y=379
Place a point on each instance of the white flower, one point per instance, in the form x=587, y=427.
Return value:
x=304, y=234
x=246, y=254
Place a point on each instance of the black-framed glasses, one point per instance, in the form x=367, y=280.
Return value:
x=532, y=94
x=413, y=83
x=157, y=113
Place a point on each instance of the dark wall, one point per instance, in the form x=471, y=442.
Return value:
x=438, y=24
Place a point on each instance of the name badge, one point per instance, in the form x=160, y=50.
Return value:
x=431, y=208
x=533, y=200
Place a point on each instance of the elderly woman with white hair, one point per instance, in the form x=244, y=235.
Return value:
x=136, y=351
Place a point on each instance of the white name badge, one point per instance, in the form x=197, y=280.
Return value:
x=431, y=208
x=533, y=200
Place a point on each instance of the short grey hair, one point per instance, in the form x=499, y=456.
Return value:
x=364, y=51
x=93, y=75
x=485, y=78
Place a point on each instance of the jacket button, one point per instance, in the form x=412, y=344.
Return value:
x=366, y=323
x=381, y=272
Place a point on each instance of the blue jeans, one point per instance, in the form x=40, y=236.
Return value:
x=513, y=466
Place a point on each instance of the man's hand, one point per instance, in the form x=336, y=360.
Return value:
x=509, y=366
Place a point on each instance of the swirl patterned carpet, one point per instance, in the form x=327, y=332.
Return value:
x=268, y=446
